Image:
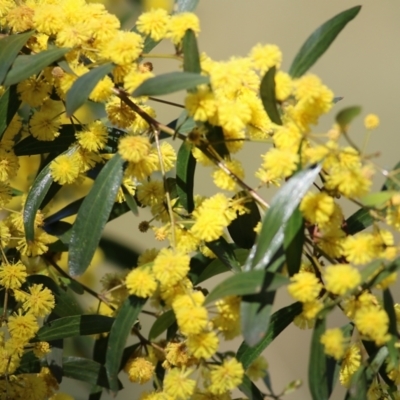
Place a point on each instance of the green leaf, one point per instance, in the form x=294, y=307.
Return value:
x=10, y=46
x=30, y=145
x=346, y=116
x=191, y=57
x=119, y=333
x=169, y=83
x=224, y=251
x=319, y=42
x=217, y=267
x=294, y=241
x=118, y=253
x=185, y=169
x=36, y=194
x=245, y=283
x=85, y=370
x=393, y=180
x=282, y=207
x=26, y=66
x=93, y=215
x=278, y=323
x=317, y=367
x=162, y=323
x=250, y=389
x=75, y=325
x=83, y=87
x=130, y=201
x=216, y=138
x=377, y=199
x=388, y=305
x=359, y=221
x=369, y=271
x=267, y=94
x=9, y=104
x=185, y=5
x=29, y=364
x=386, y=271
x=242, y=227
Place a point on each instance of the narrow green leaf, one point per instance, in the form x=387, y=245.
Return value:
x=30, y=145
x=35, y=197
x=185, y=5
x=85, y=370
x=282, y=207
x=185, y=169
x=93, y=215
x=130, y=201
x=369, y=271
x=224, y=251
x=346, y=116
x=319, y=42
x=216, y=138
x=26, y=66
x=10, y=46
x=377, y=199
x=29, y=364
x=359, y=221
x=278, y=323
x=83, y=87
x=66, y=305
x=119, y=333
x=169, y=83
x=242, y=227
x=267, y=94
x=317, y=367
x=75, y=325
x=217, y=267
x=394, y=266
x=250, y=389
x=388, y=305
x=162, y=323
x=294, y=241
x=191, y=56
x=9, y=104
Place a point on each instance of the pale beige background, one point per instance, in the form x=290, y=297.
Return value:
x=363, y=66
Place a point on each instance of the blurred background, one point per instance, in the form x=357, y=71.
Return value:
x=362, y=66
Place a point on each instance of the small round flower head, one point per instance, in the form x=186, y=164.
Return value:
x=334, y=343
x=39, y=301
x=304, y=287
x=371, y=121
x=93, y=137
x=257, y=369
x=317, y=208
x=266, y=56
x=283, y=85
x=201, y=105
x=48, y=19
x=44, y=126
x=280, y=163
x=180, y=23
x=40, y=349
x=361, y=248
x=225, y=181
x=373, y=322
x=34, y=91
x=139, y=370
x=178, y=385
x=176, y=354
x=65, y=169
x=340, y=278
x=12, y=276
x=170, y=266
x=226, y=377
x=134, y=148
x=37, y=246
x=20, y=18
x=9, y=165
x=150, y=193
x=350, y=364
x=23, y=327
x=103, y=90
x=154, y=23
x=203, y=344
x=141, y=282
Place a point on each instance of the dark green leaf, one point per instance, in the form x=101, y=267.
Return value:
x=250, y=389
x=191, y=57
x=119, y=333
x=10, y=46
x=224, y=251
x=346, y=116
x=294, y=241
x=83, y=87
x=185, y=169
x=217, y=267
x=317, y=367
x=162, y=323
x=278, y=322
x=130, y=201
x=85, y=370
x=267, y=94
x=26, y=66
x=319, y=42
x=185, y=5
x=29, y=364
x=75, y=325
x=118, y=253
x=245, y=283
x=66, y=305
x=241, y=229
x=359, y=221
x=282, y=207
x=30, y=145
x=388, y=305
x=35, y=197
x=93, y=215
x=9, y=104
x=169, y=83
x=67, y=211
x=216, y=139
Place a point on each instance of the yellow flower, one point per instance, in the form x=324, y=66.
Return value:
x=227, y=320
x=373, y=322
x=34, y=91
x=44, y=126
x=334, y=343
x=48, y=19
x=178, y=385
x=40, y=301
x=203, y=344
x=141, y=282
x=280, y=163
x=371, y=121
x=180, y=23
x=139, y=370
x=340, y=278
x=134, y=148
x=23, y=327
x=266, y=56
x=40, y=349
x=154, y=23
x=350, y=364
x=201, y=105
x=226, y=377
x=12, y=276
x=304, y=287
x=37, y=246
x=224, y=181
x=360, y=249
x=257, y=369
x=317, y=208
x=65, y=169
x=93, y=137
x=103, y=90
x=9, y=165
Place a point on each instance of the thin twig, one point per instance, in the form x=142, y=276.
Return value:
x=170, y=103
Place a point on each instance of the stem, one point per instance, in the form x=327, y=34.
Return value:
x=170, y=103
x=167, y=56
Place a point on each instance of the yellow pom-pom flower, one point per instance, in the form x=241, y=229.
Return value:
x=304, y=287
x=226, y=377
x=154, y=23
x=371, y=121
x=134, y=148
x=317, y=208
x=334, y=343
x=141, y=282
x=340, y=278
